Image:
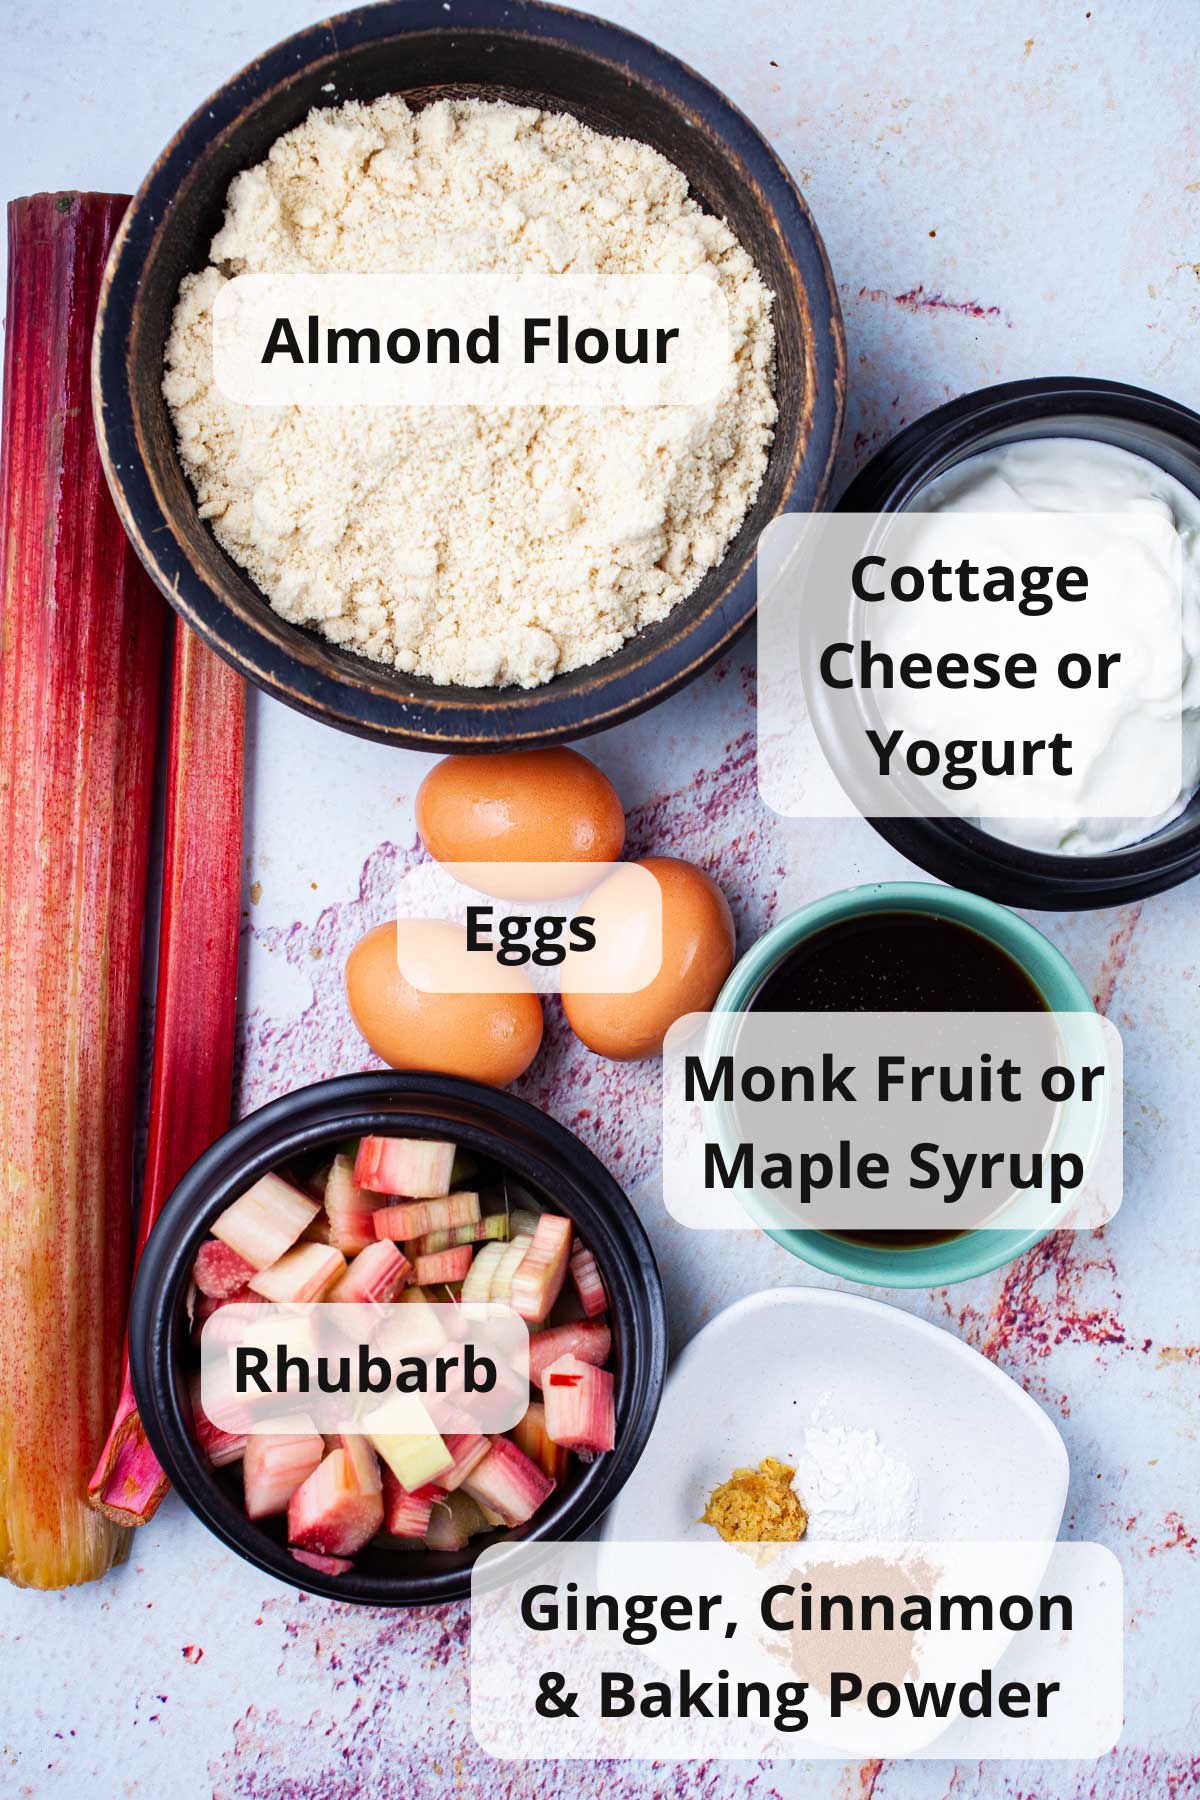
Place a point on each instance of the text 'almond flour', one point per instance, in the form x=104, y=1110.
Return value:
x=481, y=547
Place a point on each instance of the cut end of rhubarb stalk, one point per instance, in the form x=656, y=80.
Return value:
x=412, y=1220
x=265, y=1221
x=332, y=1513
x=446, y=1266
x=588, y=1285
x=406, y=1515
x=414, y=1168
x=530, y=1435
x=350, y=1209
x=129, y=1485
x=543, y=1269
x=274, y=1466
x=300, y=1275
x=377, y=1274
x=467, y=1449
x=507, y=1483
x=218, y=1271
x=579, y=1406
x=325, y=1565
x=590, y=1342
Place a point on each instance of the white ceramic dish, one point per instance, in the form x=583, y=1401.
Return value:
x=985, y=1461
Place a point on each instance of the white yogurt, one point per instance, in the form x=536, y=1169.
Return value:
x=1048, y=475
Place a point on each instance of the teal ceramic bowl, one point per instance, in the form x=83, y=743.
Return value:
x=976, y=1252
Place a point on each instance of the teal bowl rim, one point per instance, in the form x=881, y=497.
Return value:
x=976, y=1252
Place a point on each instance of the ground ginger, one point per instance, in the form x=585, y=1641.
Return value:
x=757, y=1506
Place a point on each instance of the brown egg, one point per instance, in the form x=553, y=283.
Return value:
x=697, y=955
x=491, y=1038
x=519, y=806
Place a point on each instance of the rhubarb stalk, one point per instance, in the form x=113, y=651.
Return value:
x=82, y=630
x=199, y=926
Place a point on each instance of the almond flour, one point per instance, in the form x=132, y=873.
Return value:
x=480, y=547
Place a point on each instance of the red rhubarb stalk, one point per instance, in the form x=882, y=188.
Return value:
x=80, y=678
x=196, y=996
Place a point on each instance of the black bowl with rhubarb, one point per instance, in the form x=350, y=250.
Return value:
x=398, y=1190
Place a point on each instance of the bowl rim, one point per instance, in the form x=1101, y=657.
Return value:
x=545, y=1151
x=464, y=719
x=954, y=849
x=976, y=1252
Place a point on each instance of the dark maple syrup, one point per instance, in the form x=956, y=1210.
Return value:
x=896, y=962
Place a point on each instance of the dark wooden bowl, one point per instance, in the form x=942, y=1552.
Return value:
x=539, y=55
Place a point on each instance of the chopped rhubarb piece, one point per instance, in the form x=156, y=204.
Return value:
x=429, y=1245
x=456, y=1518
x=543, y=1268
x=351, y=1209
x=326, y=1565
x=507, y=1483
x=417, y=1168
x=477, y=1285
x=302, y=1274
x=274, y=1466
x=333, y=1513
x=530, y=1435
x=448, y=1265
x=405, y=1514
x=318, y=1232
x=588, y=1285
x=412, y=1219
x=578, y=1399
x=377, y=1273
x=414, y=1458
x=590, y=1343
x=265, y=1221
x=220, y=1447
x=461, y=1210
x=362, y=1458
x=506, y=1268
x=492, y=1228
x=219, y=1271
x=467, y=1449
x=205, y=1308
x=409, y=1333
x=477, y=1231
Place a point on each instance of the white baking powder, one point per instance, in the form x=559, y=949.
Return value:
x=852, y=1488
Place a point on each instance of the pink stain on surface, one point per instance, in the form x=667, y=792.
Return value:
x=1063, y=1291
x=1115, y=957
x=917, y=300
x=1179, y=1536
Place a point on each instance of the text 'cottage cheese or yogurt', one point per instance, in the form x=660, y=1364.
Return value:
x=482, y=547
x=1064, y=475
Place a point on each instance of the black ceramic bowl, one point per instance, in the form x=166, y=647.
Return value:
x=535, y=54
x=547, y=1159
x=1133, y=419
